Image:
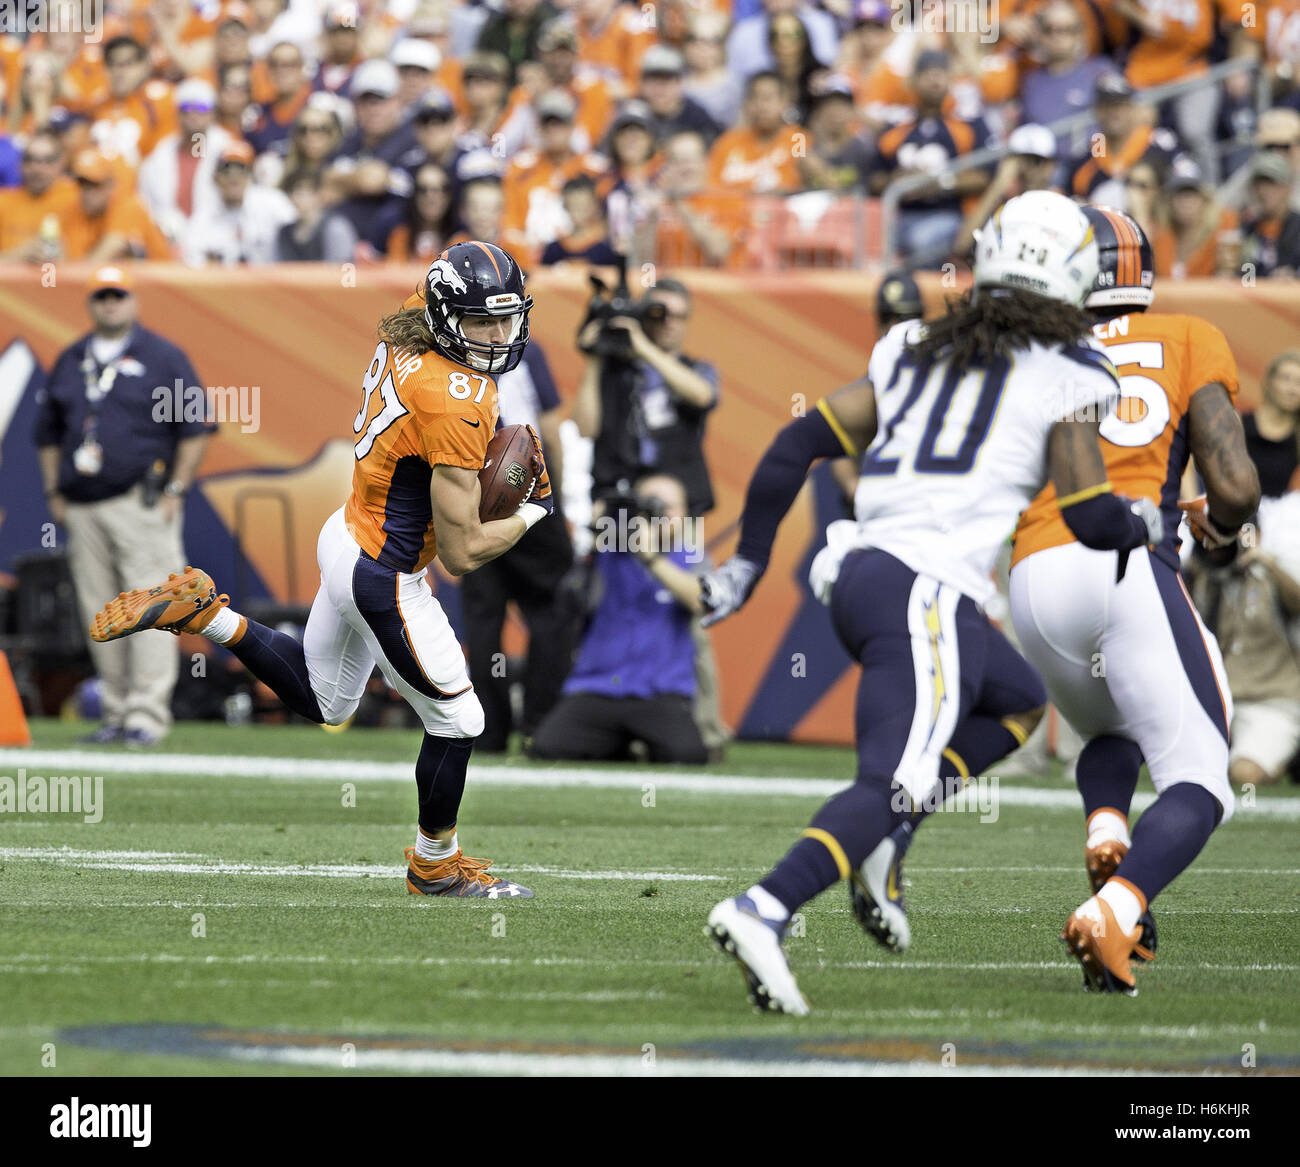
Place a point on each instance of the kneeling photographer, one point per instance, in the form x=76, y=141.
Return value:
x=633, y=678
x=642, y=400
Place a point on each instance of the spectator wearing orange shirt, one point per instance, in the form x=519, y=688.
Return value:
x=694, y=226
x=35, y=94
x=107, y=224
x=233, y=46
x=29, y=212
x=613, y=37
x=180, y=37
x=1174, y=43
x=533, y=180
x=1194, y=236
x=235, y=109
x=138, y=112
x=1124, y=139
x=557, y=46
x=761, y=157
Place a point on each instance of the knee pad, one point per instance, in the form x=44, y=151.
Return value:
x=460, y=717
x=337, y=709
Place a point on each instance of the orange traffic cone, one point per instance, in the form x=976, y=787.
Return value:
x=13, y=725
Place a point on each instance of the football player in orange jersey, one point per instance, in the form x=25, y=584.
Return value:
x=1127, y=660
x=428, y=413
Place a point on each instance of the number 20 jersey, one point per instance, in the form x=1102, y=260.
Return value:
x=418, y=412
x=960, y=452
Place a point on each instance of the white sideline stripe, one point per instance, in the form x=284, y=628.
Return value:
x=685, y=781
x=122, y=861
x=26, y=960
x=633, y=1066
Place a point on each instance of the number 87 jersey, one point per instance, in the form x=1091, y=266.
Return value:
x=417, y=411
x=959, y=452
x=1163, y=359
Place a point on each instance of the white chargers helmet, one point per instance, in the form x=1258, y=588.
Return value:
x=1038, y=242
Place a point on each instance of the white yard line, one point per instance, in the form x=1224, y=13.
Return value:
x=204, y=766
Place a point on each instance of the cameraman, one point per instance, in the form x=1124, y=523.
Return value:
x=634, y=675
x=642, y=400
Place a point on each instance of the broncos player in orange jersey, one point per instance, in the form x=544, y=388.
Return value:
x=1122, y=650
x=428, y=412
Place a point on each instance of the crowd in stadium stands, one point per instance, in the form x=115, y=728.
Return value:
x=567, y=130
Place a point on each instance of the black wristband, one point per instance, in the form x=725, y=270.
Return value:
x=1219, y=529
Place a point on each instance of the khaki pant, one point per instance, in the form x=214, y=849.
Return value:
x=114, y=546
x=708, y=707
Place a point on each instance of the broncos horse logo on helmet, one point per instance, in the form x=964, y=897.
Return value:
x=1126, y=273
x=476, y=279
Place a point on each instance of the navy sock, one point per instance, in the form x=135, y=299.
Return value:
x=1168, y=837
x=1107, y=774
x=847, y=830
x=440, y=779
x=277, y=660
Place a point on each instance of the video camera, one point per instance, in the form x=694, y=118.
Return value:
x=613, y=341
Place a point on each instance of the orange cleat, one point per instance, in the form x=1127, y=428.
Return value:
x=1098, y=944
x=1101, y=861
x=183, y=603
x=460, y=875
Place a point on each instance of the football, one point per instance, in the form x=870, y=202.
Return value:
x=507, y=475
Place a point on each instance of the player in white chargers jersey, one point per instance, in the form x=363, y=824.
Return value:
x=959, y=423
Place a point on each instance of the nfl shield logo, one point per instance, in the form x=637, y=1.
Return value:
x=517, y=475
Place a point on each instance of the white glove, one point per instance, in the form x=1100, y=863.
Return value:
x=1150, y=514
x=725, y=589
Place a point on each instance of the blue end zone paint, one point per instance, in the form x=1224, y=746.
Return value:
x=782, y=700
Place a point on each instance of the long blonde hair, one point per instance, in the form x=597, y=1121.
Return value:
x=407, y=329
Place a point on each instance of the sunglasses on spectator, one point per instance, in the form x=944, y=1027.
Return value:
x=313, y=128
x=229, y=166
x=433, y=119
x=1278, y=146
x=1132, y=184
x=109, y=294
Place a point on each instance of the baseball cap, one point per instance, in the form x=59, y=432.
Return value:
x=1278, y=127
x=832, y=85
x=91, y=166
x=661, y=61
x=374, y=76
x=930, y=59
x=343, y=14
x=484, y=64
x=1032, y=140
x=557, y=34
x=872, y=12
x=108, y=278
x=195, y=94
x=238, y=152
x=556, y=105
x=898, y=295
x=435, y=104
x=1112, y=87
x=1184, y=174
x=633, y=113
x=1272, y=168
x=415, y=54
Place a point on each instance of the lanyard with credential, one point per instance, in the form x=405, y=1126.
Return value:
x=88, y=458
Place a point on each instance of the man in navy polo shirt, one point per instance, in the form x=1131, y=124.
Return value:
x=116, y=461
x=634, y=675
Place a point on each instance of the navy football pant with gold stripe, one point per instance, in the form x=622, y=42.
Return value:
x=934, y=671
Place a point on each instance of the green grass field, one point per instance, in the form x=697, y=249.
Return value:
x=236, y=916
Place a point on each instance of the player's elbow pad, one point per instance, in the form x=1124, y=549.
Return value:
x=1104, y=522
x=778, y=480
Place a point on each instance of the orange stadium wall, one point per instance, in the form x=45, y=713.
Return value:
x=303, y=335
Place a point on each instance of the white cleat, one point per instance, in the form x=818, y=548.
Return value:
x=876, y=892
x=755, y=944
